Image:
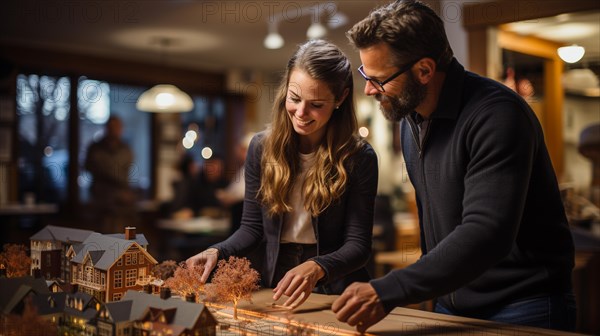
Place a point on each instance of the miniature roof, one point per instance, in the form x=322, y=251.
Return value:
x=105, y=249
x=42, y=303
x=187, y=313
x=88, y=312
x=119, y=310
x=63, y=234
x=77, y=248
x=13, y=290
x=95, y=255
x=139, y=238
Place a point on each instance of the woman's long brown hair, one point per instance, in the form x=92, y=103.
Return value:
x=326, y=179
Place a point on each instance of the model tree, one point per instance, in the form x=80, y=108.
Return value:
x=234, y=280
x=186, y=281
x=15, y=260
x=165, y=269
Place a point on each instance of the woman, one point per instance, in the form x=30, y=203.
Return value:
x=310, y=184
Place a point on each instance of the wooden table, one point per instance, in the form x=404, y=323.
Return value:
x=316, y=311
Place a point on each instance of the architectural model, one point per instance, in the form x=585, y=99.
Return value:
x=86, y=283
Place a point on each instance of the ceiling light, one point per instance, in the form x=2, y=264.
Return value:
x=326, y=11
x=316, y=31
x=571, y=54
x=273, y=41
x=164, y=98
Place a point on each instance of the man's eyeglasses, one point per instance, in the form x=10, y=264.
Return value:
x=379, y=84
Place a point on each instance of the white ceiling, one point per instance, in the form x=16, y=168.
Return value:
x=215, y=35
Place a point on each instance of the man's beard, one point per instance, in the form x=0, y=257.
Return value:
x=400, y=106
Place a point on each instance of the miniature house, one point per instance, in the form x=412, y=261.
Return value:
x=15, y=291
x=79, y=310
x=105, y=266
x=49, y=248
x=140, y=313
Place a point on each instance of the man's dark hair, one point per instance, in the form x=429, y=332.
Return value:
x=411, y=29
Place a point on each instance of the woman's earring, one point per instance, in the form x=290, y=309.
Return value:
x=337, y=107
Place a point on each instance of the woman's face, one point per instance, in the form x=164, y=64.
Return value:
x=309, y=104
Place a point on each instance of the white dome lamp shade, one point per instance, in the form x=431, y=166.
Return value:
x=316, y=31
x=571, y=54
x=273, y=41
x=165, y=98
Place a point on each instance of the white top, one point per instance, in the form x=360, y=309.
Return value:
x=297, y=225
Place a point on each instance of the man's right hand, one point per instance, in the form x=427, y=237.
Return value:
x=208, y=258
x=359, y=306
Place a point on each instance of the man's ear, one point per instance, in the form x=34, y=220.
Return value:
x=425, y=70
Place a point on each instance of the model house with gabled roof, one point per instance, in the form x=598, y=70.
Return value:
x=140, y=313
x=80, y=310
x=14, y=293
x=14, y=290
x=105, y=266
x=49, y=247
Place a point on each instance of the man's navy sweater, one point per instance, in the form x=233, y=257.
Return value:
x=493, y=226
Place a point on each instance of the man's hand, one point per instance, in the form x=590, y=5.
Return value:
x=359, y=306
x=298, y=283
x=208, y=258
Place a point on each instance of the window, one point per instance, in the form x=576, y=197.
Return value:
x=120, y=262
x=102, y=278
x=118, y=279
x=130, y=277
x=127, y=258
x=97, y=101
x=89, y=273
x=134, y=258
x=43, y=105
x=141, y=258
x=117, y=296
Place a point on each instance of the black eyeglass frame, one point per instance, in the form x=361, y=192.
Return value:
x=380, y=84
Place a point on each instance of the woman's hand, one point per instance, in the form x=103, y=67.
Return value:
x=208, y=258
x=298, y=283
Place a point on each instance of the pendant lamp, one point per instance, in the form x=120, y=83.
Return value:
x=164, y=98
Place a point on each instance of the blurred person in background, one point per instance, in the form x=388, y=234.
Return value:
x=109, y=162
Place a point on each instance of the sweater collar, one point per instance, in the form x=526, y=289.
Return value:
x=449, y=104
